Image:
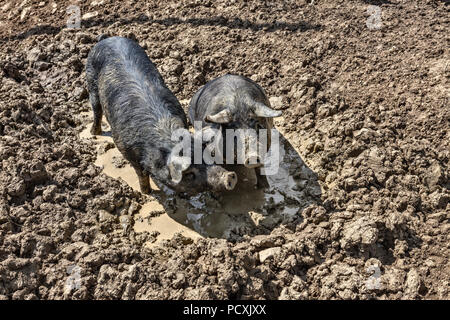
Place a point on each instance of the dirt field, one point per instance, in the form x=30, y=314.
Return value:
x=359, y=210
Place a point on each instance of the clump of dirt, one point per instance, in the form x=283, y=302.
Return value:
x=360, y=209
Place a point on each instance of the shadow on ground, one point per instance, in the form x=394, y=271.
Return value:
x=236, y=23
x=246, y=210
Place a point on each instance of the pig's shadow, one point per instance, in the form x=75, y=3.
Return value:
x=246, y=211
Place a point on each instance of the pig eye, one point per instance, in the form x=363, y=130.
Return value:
x=189, y=176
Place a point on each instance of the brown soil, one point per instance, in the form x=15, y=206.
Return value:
x=365, y=130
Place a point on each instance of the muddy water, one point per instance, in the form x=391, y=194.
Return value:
x=228, y=215
x=107, y=159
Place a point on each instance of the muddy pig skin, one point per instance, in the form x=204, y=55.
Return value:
x=235, y=102
x=143, y=113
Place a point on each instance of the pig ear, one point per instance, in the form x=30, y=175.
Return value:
x=223, y=116
x=176, y=167
x=263, y=111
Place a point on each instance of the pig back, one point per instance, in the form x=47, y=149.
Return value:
x=132, y=93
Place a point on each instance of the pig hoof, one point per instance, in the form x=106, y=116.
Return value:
x=96, y=131
x=146, y=191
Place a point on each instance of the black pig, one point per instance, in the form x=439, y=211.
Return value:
x=143, y=113
x=236, y=102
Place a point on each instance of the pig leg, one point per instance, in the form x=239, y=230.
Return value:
x=261, y=180
x=98, y=113
x=92, y=84
x=144, y=180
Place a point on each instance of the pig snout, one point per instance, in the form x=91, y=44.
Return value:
x=220, y=179
x=230, y=180
x=253, y=157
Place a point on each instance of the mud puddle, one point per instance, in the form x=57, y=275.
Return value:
x=229, y=215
